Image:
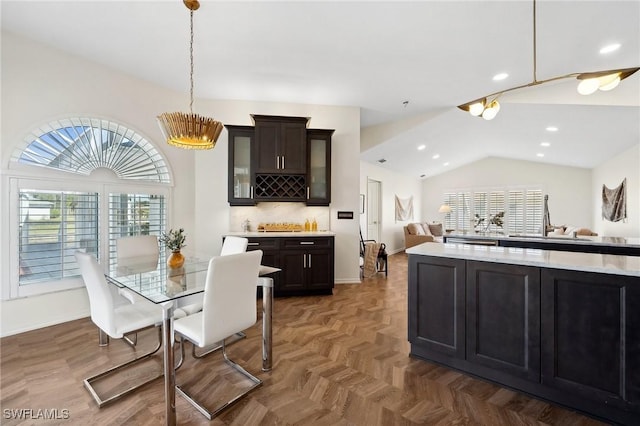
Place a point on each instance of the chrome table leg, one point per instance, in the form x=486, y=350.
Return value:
x=267, y=314
x=169, y=368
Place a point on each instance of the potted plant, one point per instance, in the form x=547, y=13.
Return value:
x=174, y=241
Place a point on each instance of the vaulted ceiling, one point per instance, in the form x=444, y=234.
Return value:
x=376, y=55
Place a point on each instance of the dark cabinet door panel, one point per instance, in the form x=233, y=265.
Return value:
x=293, y=148
x=591, y=328
x=319, y=269
x=503, y=318
x=436, y=315
x=293, y=270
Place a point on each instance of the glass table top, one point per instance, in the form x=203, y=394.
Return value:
x=151, y=278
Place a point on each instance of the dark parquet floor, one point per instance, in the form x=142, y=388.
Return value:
x=338, y=360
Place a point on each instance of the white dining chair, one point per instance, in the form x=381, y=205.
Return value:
x=230, y=245
x=115, y=320
x=135, y=246
x=233, y=245
x=229, y=307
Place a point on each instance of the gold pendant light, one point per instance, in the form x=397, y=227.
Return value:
x=487, y=107
x=189, y=130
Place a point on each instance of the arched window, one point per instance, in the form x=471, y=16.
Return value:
x=126, y=194
x=82, y=145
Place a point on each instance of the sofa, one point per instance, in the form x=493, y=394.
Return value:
x=418, y=233
x=569, y=230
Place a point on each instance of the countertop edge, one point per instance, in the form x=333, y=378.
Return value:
x=575, y=261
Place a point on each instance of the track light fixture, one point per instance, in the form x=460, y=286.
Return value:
x=487, y=107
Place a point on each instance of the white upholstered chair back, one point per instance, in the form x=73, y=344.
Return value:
x=233, y=245
x=230, y=295
x=137, y=246
x=101, y=300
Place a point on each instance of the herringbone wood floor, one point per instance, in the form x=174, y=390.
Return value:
x=338, y=360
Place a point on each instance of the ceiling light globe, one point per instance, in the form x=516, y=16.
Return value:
x=588, y=86
x=609, y=83
x=476, y=109
x=490, y=113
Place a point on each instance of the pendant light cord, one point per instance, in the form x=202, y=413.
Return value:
x=535, y=80
x=191, y=59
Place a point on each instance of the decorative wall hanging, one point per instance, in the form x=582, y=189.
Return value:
x=614, y=202
x=404, y=209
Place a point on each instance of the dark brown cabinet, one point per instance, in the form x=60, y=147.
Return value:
x=240, y=171
x=591, y=335
x=280, y=144
x=279, y=160
x=503, y=318
x=319, y=167
x=307, y=263
x=436, y=318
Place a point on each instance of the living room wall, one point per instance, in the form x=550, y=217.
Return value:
x=392, y=184
x=569, y=188
x=611, y=173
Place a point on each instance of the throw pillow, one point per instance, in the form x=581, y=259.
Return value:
x=425, y=226
x=415, y=229
x=436, y=229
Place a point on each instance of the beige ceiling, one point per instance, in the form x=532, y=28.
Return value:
x=376, y=55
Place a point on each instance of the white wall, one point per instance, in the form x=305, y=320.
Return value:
x=569, y=188
x=392, y=184
x=40, y=84
x=611, y=173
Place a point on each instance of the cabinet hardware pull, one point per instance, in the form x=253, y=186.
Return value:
x=304, y=261
x=251, y=192
x=253, y=244
x=307, y=192
x=277, y=162
x=309, y=261
x=307, y=243
x=283, y=162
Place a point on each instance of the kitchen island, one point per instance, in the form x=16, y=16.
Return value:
x=562, y=326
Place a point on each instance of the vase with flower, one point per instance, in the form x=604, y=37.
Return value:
x=174, y=241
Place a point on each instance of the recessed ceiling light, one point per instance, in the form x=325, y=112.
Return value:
x=610, y=48
x=436, y=156
x=446, y=164
x=545, y=144
x=500, y=76
x=539, y=154
x=421, y=147
x=552, y=129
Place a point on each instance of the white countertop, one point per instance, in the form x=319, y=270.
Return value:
x=301, y=234
x=564, y=239
x=588, y=262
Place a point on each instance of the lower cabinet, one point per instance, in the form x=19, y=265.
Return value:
x=307, y=263
x=503, y=318
x=566, y=336
x=591, y=336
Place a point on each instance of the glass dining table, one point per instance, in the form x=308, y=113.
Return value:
x=151, y=278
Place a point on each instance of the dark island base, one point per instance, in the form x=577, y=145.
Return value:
x=569, y=337
x=567, y=400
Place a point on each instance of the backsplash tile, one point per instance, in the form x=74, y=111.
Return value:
x=279, y=213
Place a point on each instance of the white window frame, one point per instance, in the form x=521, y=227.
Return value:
x=74, y=183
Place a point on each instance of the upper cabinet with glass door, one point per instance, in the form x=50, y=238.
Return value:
x=240, y=191
x=319, y=167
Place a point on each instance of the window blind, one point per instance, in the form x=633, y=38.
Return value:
x=53, y=225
